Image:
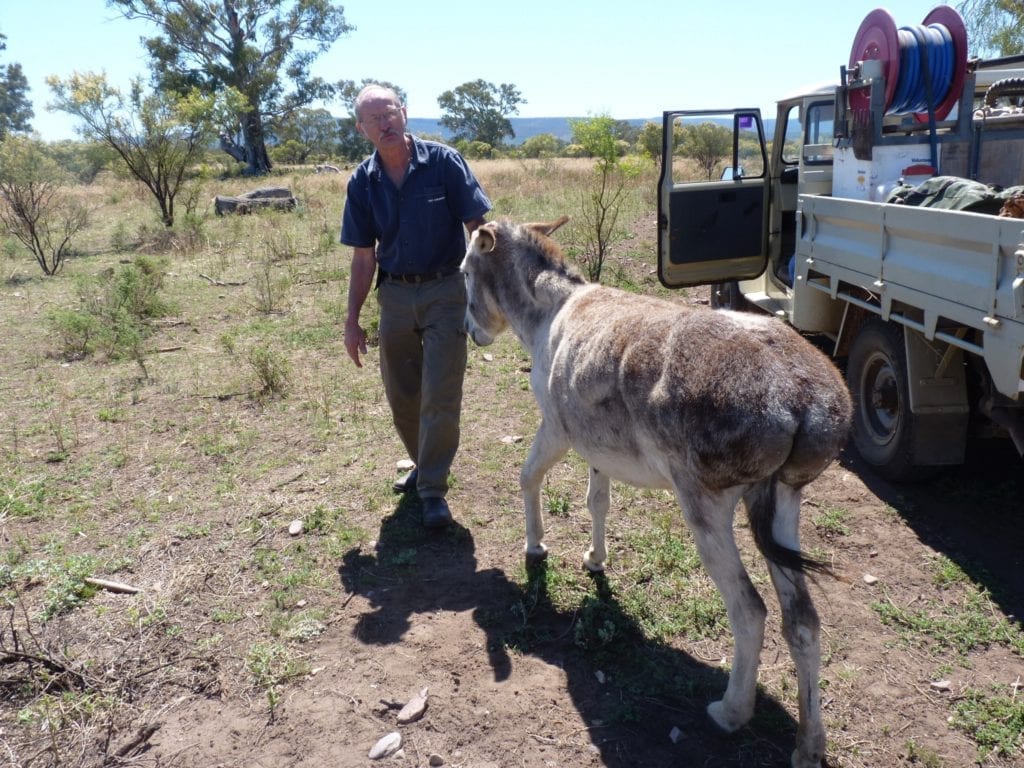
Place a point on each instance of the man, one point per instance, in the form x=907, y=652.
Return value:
x=404, y=215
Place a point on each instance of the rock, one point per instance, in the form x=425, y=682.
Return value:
x=600, y=676
x=295, y=527
x=941, y=685
x=488, y=357
x=675, y=735
x=435, y=760
x=387, y=746
x=870, y=580
x=414, y=709
x=510, y=439
x=405, y=465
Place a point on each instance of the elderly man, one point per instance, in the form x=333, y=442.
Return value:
x=406, y=213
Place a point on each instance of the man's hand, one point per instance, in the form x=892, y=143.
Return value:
x=355, y=342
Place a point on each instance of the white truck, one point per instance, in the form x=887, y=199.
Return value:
x=922, y=305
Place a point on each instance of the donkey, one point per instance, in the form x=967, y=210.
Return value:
x=717, y=406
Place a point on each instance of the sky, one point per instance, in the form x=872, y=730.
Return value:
x=633, y=59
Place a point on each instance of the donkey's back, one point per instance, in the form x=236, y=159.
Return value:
x=725, y=398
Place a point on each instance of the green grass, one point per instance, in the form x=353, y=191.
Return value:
x=833, y=520
x=959, y=627
x=994, y=720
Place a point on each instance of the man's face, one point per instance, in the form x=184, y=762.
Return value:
x=382, y=121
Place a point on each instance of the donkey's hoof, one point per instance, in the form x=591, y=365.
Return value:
x=536, y=555
x=726, y=719
x=591, y=563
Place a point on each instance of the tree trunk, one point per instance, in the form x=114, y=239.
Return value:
x=229, y=145
x=256, y=157
x=252, y=151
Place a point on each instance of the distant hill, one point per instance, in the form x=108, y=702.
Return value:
x=524, y=127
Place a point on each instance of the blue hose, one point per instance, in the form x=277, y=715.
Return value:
x=927, y=63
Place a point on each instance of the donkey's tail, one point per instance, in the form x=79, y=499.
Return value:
x=761, y=503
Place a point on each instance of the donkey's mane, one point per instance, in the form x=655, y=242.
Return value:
x=549, y=255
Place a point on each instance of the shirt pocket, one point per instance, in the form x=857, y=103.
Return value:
x=435, y=220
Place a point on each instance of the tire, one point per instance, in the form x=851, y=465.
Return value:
x=883, y=425
x=728, y=296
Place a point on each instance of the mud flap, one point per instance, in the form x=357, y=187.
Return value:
x=937, y=386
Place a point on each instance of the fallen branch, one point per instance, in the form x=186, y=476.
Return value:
x=222, y=283
x=227, y=395
x=112, y=586
x=49, y=663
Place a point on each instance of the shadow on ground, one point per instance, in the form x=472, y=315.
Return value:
x=973, y=514
x=649, y=688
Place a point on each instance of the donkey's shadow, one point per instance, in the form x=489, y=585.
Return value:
x=633, y=693
x=643, y=701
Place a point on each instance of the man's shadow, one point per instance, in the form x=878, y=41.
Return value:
x=632, y=692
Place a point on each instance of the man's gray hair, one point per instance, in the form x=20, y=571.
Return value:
x=372, y=88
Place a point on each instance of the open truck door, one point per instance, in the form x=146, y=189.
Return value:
x=712, y=197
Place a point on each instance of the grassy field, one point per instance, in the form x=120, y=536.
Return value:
x=174, y=404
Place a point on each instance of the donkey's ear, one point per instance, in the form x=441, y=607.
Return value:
x=547, y=228
x=485, y=238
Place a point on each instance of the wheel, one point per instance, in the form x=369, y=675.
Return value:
x=728, y=296
x=883, y=426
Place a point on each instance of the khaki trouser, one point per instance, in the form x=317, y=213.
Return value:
x=422, y=363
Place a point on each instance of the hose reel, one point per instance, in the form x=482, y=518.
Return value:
x=923, y=65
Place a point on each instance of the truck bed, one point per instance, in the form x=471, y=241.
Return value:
x=952, y=275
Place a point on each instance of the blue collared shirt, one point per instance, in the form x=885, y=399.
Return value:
x=418, y=228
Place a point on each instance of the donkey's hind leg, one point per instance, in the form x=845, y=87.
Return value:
x=547, y=448
x=801, y=628
x=598, y=498
x=710, y=517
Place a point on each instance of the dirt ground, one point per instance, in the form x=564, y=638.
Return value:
x=553, y=706
x=491, y=707
x=498, y=649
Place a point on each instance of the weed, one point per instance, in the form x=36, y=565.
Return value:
x=921, y=755
x=947, y=572
x=270, y=665
x=75, y=331
x=558, y=503
x=272, y=369
x=995, y=722
x=270, y=293
x=22, y=498
x=66, y=587
x=301, y=627
x=832, y=520
x=962, y=626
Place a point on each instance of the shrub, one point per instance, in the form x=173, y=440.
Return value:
x=115, y=312
x=33, y=206
x=272, y=369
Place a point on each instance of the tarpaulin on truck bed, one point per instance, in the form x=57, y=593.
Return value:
x=955, y=193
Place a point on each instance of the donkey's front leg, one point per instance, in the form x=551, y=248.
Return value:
x=598, y=493
x=548, y=447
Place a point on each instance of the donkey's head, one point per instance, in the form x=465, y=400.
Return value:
x=489, y=266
